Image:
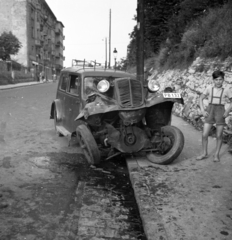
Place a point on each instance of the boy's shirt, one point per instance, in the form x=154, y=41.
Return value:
x=226, y=96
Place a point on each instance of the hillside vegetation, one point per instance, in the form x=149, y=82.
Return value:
x=179, y=31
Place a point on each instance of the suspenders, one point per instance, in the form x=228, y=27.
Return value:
x=212, y=97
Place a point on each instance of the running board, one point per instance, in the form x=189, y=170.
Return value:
x=63, y=131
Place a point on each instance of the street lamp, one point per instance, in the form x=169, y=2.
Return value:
x=115, y=52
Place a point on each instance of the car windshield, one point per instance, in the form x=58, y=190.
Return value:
x=90, y=84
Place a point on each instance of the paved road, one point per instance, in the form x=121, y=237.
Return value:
x=188, y=200
x=46, y=191
x=32, y=175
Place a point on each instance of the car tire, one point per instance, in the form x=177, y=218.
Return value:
x=88, y=145
x=178, y=143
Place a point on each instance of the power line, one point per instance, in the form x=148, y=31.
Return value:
x=94, y=43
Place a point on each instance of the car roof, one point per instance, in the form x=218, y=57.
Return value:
x=97, y=71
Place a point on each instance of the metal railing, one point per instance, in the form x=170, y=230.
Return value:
x=84, y=63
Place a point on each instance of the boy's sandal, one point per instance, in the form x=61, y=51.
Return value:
x=216, y=160
x=201, y=158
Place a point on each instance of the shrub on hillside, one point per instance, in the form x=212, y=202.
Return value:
x=162, y=57
x=217, y=25
x=208, y=36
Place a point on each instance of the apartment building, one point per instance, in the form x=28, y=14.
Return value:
x=39, y=31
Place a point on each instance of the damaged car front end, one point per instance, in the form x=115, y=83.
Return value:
x=125, y=116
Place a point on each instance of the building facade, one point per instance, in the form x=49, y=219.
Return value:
x=39, y=31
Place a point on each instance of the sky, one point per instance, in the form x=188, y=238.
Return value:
x=86, y=27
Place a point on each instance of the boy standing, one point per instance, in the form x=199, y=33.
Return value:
x=215, y=113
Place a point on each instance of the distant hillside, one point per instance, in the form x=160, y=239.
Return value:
x=208, y=36
x=179, y=31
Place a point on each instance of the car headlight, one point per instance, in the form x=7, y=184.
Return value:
x=153, y=85
x=103, y=86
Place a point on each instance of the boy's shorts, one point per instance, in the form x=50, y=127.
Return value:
x=215, y=114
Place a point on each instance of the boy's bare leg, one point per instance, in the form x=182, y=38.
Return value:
x=205, y=135
x=219, y=142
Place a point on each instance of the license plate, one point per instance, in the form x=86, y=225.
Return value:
x=171, y=95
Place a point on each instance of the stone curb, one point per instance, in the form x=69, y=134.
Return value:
x=152, y=221
x=18, y=85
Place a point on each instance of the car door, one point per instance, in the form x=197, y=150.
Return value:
x=61, y=98
x=72, y=102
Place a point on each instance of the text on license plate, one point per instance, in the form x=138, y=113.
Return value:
x=171, y=95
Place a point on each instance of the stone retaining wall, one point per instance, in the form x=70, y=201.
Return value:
x=191, y=83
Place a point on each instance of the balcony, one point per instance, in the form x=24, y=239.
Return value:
x=57, y=30
x=38, y=7
x=37, y=25
x=37, y=42
x=58, y=65
x=45, y=47
x=47, y=59
x=45, y=32
x=58, y=43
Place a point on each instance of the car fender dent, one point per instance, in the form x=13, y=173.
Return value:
x=96, y=107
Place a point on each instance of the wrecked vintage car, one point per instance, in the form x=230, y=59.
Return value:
x=111, y=113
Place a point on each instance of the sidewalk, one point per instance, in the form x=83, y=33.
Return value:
x=189, y=199
x=17, y=85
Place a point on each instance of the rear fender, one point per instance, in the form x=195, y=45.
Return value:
x=56, y=105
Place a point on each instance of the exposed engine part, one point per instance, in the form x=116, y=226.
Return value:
x=95, y=120
x=131, y=139
x=105, y=142
x=132, y=117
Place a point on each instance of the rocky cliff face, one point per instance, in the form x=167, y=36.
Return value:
x=191, y=83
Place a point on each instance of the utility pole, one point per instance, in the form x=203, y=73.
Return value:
x=109, y=38
x=106, y=52
x=140, y=40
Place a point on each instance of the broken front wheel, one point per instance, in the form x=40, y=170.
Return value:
x=88, y=145
x=170, y=147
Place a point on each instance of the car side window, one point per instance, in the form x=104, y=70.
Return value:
x=64, y=82
x=74, y=84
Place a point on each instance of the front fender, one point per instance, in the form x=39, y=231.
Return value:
x=99, y=105
x=158, y=98
x=96, y=108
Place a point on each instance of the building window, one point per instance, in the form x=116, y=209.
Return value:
x=32, y=13
x=32, y=32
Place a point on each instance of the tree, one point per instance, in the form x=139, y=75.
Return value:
x=187, y=11
x=156, y=16
x=9, y=45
